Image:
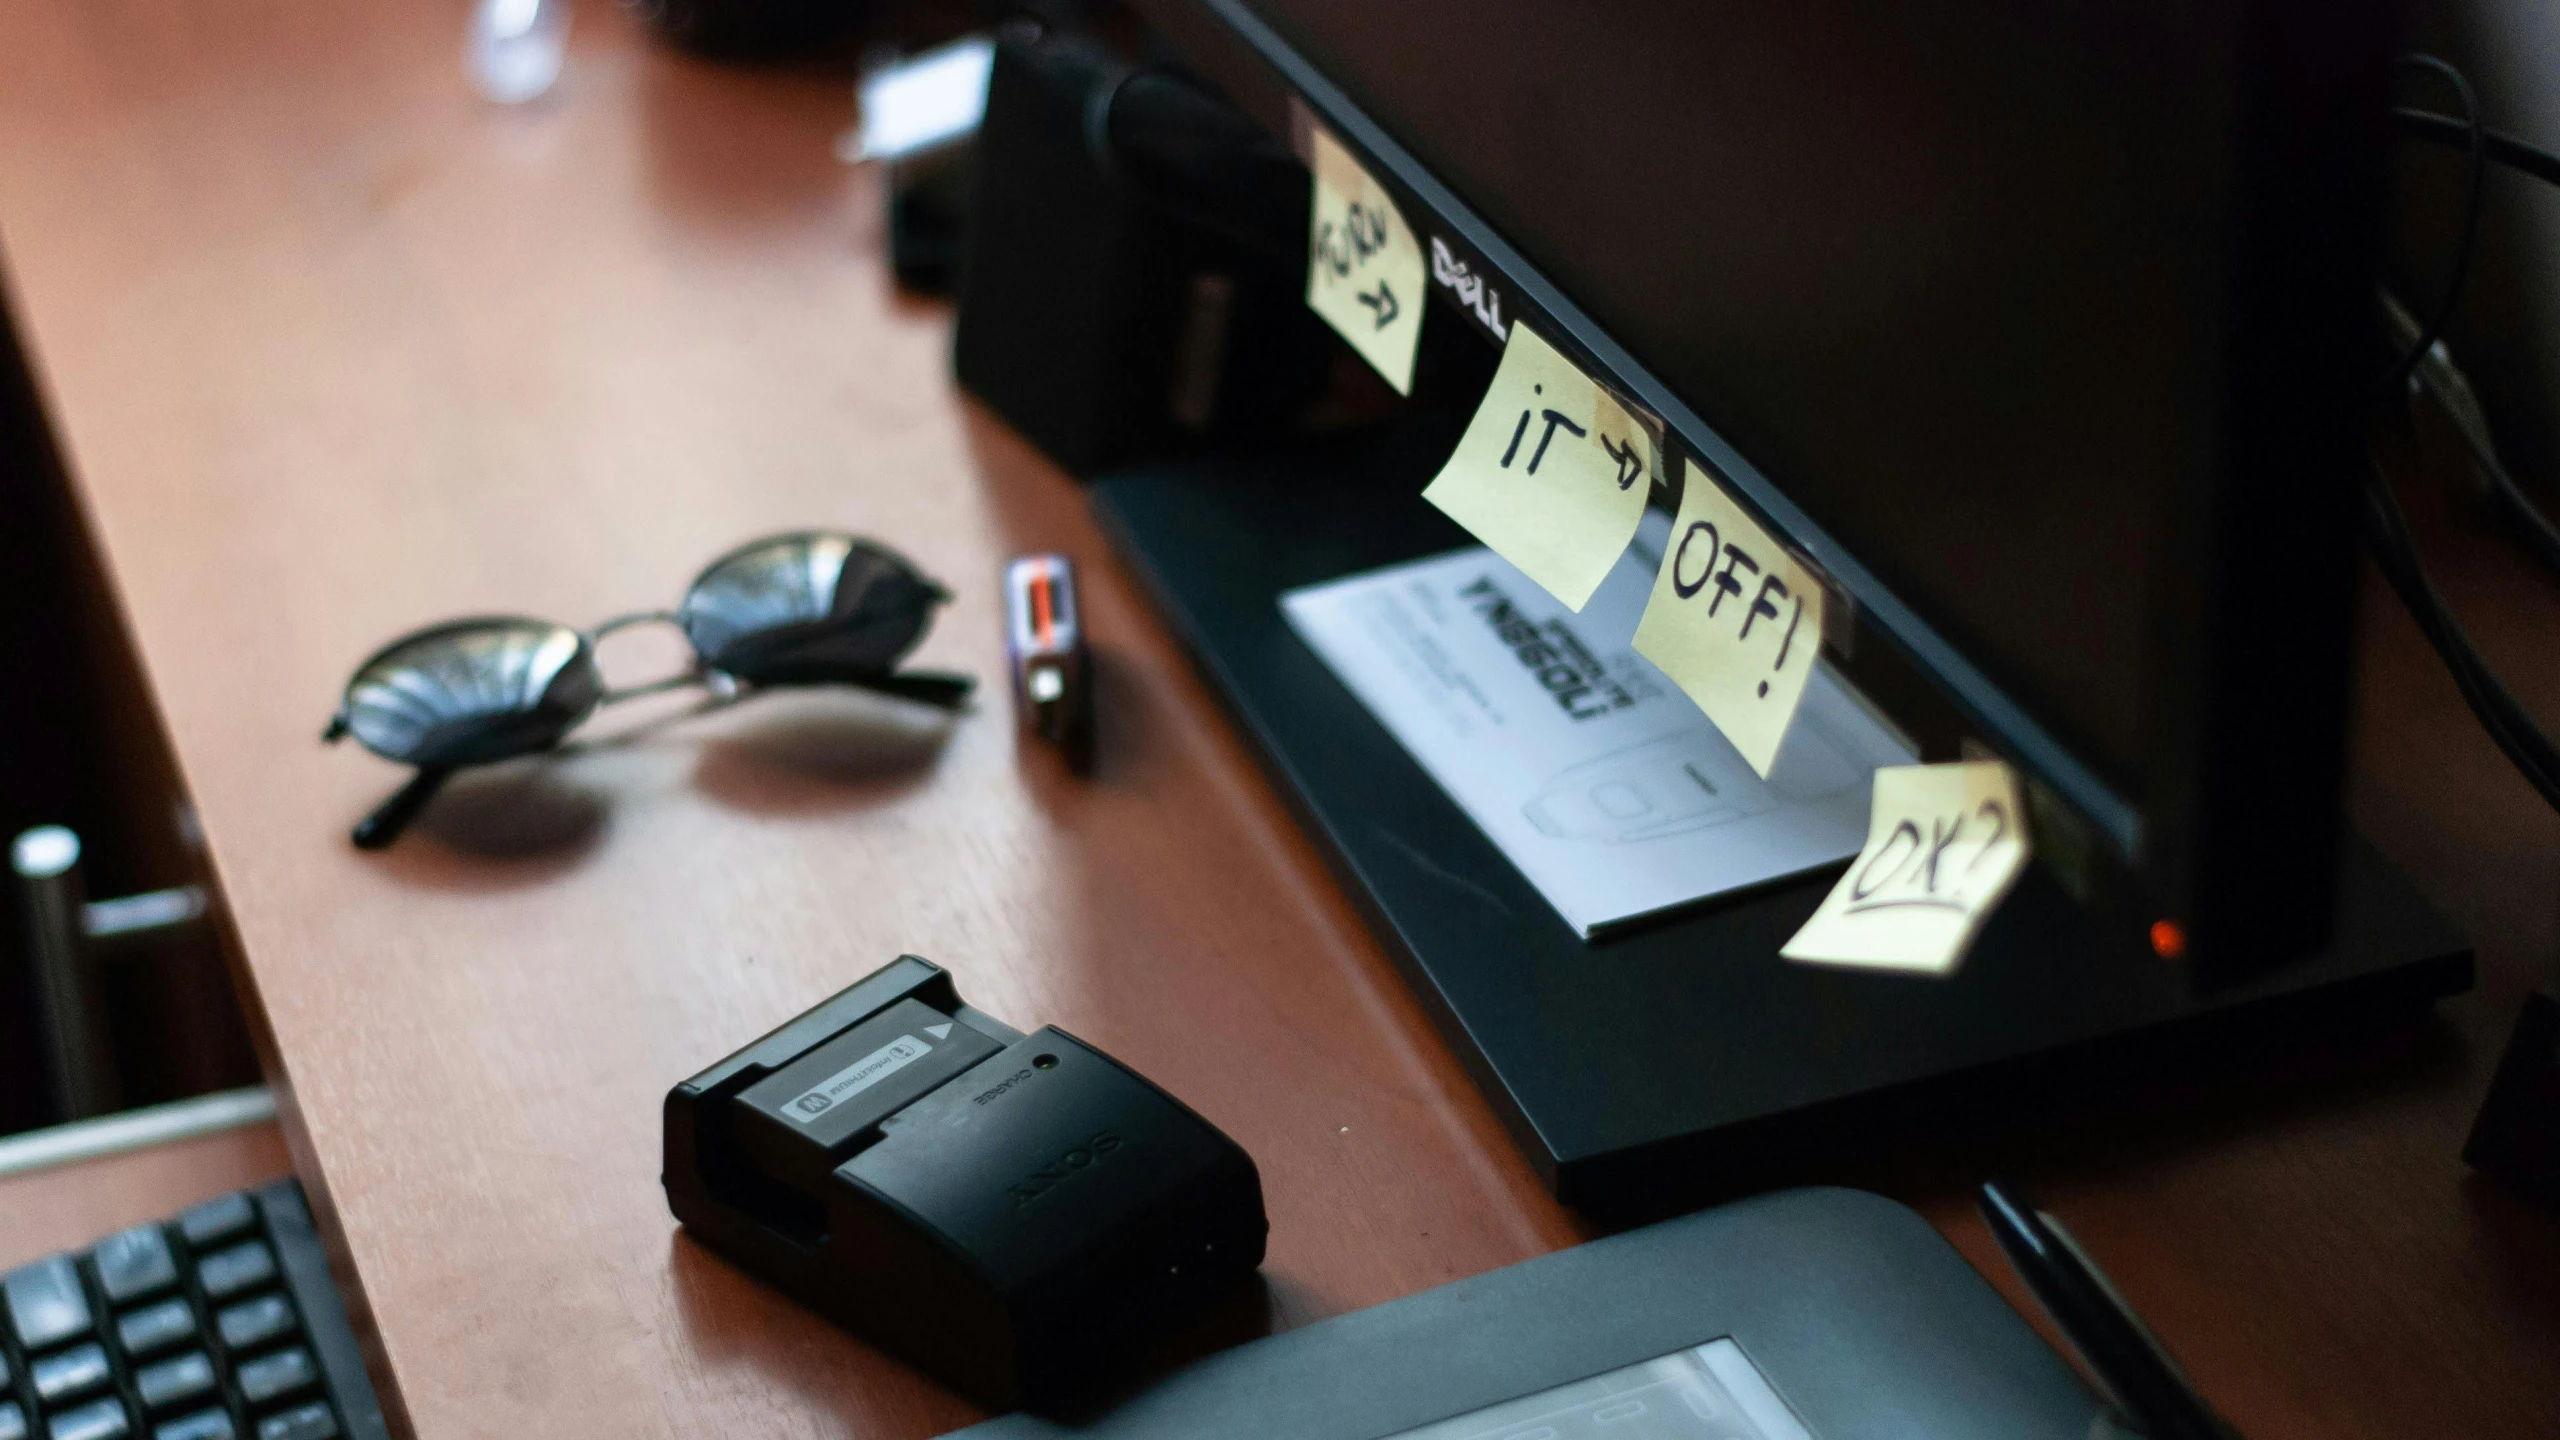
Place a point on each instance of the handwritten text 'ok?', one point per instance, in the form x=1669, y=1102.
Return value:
x=1944, y=844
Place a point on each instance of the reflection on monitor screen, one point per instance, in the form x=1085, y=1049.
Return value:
x=1711, y=1392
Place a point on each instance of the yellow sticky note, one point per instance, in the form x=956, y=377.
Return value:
x=1944, y=844
x=1364, y=268
x=1735, y=621
x=1552, y=472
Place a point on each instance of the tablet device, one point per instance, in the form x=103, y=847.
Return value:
x=1801, y=1315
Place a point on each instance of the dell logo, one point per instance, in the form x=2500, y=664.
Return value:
x=1050, y=1176
x=1455, y=276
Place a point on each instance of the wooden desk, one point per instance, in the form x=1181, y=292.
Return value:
x=335, y=349
x=51, y=1211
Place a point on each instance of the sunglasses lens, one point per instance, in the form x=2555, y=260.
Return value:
x=472, y=692
x=809, y=608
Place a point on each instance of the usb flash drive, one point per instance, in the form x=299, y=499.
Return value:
x=1052, y=671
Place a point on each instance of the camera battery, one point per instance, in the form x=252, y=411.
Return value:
x=807, y=1118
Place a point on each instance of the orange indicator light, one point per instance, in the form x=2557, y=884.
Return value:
x=2167, y=940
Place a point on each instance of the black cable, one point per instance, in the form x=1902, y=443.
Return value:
x=2487, y=698
x=2543, y=165
x=1197, y=161
x=2537, y=529
x=2501, y=147
x=2509, y=724
x=2474, y=141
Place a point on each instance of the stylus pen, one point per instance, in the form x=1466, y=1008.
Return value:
x=2111, y=1339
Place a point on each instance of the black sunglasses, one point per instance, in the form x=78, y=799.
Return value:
x=813, y=608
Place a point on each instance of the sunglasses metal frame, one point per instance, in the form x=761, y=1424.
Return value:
x=773, y=613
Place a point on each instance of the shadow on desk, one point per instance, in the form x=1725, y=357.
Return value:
x=735, y=1322
x=820, y=751
x=529, y=817
x=747, y=1338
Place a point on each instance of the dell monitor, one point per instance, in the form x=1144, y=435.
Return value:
x=2044, y=329
x=2045, y=332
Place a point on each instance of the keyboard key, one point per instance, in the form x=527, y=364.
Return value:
x=135, y=1263
x=13, y=1421
x=155, y=1328
x=71, y=1373
x=305, y=1422
x=46, y=1303
x=173, y=1383
x=273, y=1377
x=103, y=1420
x=253, y=1323
x=215, y=1221
x=202, y=1425
x=226, y=1273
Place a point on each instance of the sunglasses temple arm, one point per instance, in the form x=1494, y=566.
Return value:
x=392, y=816
x=625, y=622
x=929, y=687
x=654, y=687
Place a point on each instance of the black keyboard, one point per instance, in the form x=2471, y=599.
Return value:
x=221, y=1324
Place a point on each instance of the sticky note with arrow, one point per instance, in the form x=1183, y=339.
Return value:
x=1552, y=472
x=1364, y=268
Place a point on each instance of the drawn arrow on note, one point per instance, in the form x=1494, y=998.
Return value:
x=1629, y=460
x=1384, y=302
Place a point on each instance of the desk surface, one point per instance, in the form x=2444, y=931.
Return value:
x=60, y=1209
x=334, y=350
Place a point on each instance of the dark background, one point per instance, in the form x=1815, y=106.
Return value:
x=80, y=746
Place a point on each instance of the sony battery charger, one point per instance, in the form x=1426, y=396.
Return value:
x=1016, y=1214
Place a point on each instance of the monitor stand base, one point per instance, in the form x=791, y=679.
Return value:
x=1684, y=1060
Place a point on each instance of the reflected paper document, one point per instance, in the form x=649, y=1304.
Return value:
x=1614, y=795
x=1712, y=1392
